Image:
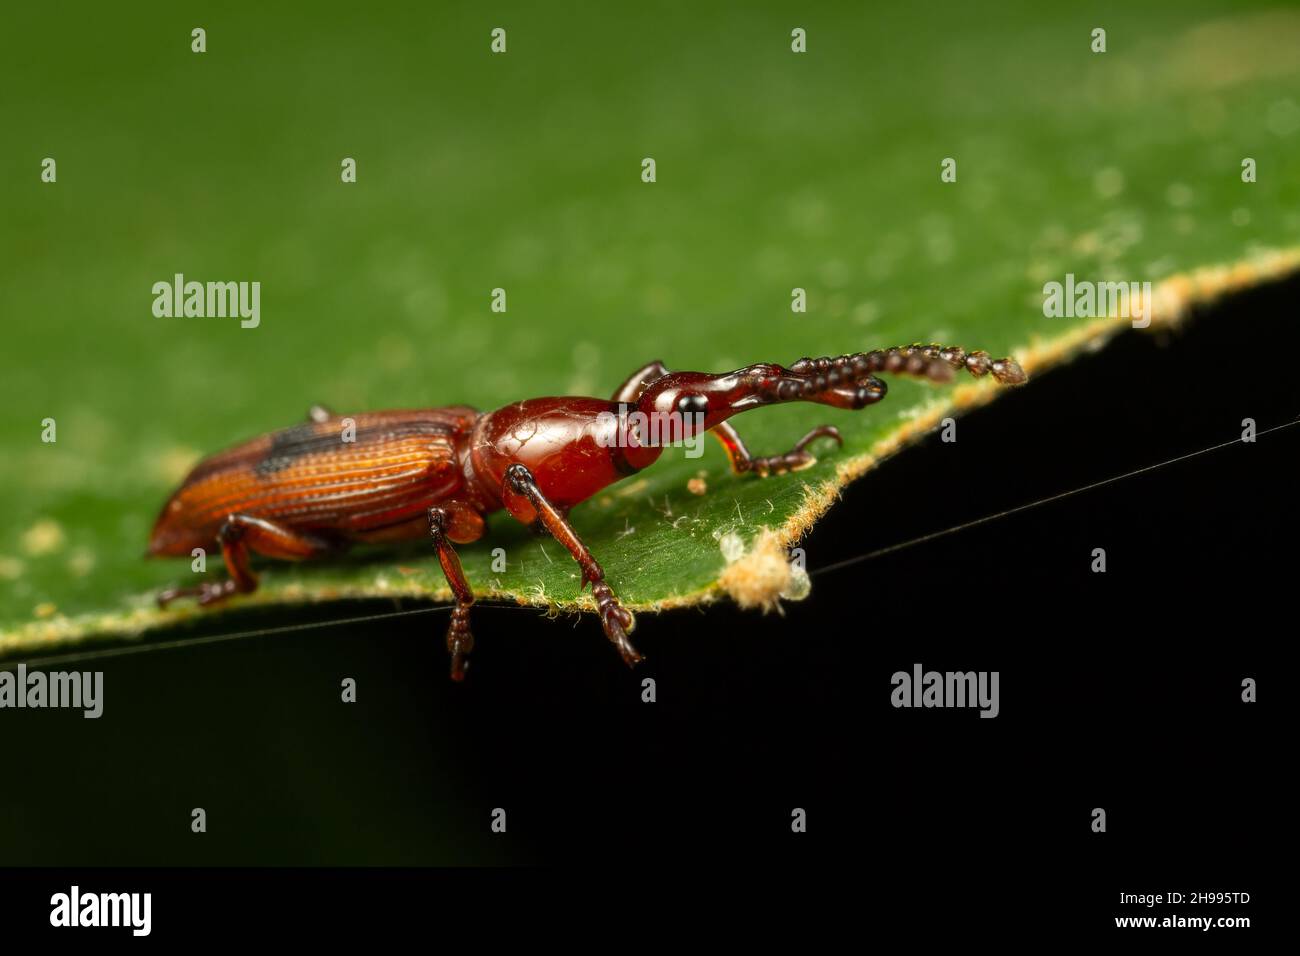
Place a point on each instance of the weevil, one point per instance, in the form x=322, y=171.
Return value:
x=314, y=489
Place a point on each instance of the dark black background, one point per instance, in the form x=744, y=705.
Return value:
x=1118, y=690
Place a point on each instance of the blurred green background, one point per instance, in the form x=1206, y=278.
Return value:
x=775, y=170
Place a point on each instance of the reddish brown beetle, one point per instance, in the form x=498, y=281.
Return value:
x=308, y=491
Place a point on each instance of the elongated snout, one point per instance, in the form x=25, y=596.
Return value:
x=845, y=381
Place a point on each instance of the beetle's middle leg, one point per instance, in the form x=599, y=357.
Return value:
x=459, y=639
x=240, y=534
x=615, y=618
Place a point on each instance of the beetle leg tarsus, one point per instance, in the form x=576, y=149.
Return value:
x=615, y=619
x=460, y=641
x=796, y=459
x=209, y=592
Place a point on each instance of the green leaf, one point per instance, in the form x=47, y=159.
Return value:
x=522, y=171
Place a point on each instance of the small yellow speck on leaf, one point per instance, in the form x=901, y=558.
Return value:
x=44, y=537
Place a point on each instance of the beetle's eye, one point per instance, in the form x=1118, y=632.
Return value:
x=693, y=405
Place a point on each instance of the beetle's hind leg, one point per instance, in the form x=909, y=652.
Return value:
x=459, y=639
x=239, y=535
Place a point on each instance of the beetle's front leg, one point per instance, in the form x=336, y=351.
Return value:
x=796, y=459
x=615, y=618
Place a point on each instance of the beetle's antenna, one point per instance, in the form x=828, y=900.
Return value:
x=935, y=362
x=849, y=381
